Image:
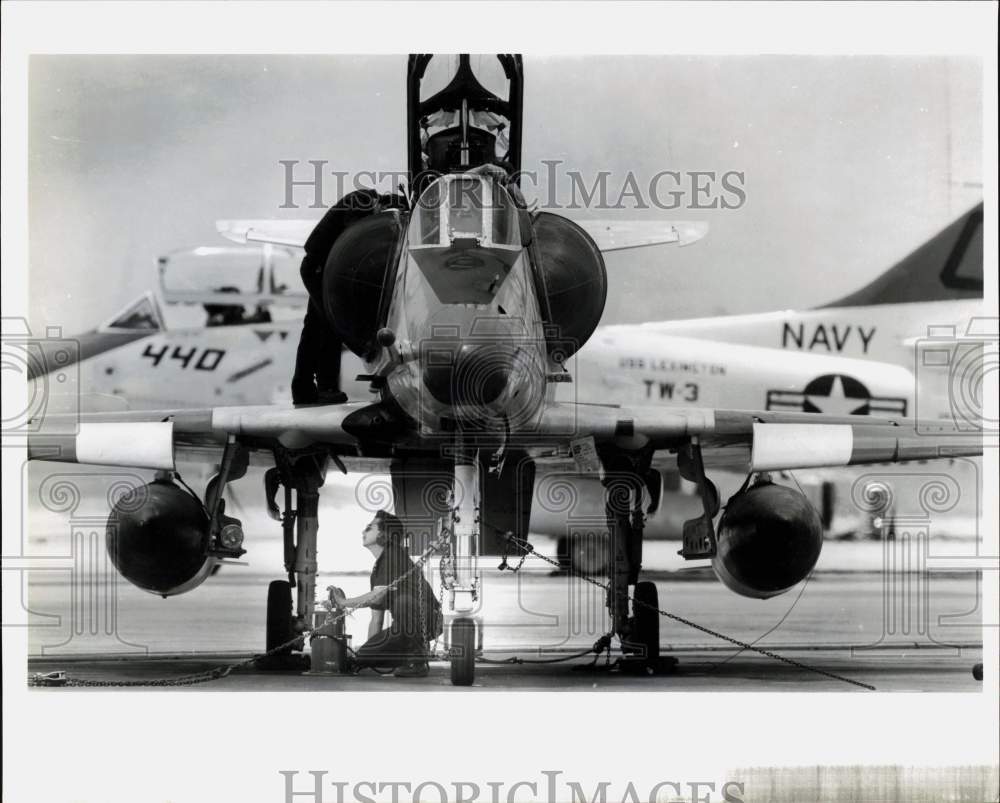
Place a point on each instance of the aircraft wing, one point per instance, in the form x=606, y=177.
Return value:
x=768, y=440
x=610, y=235
x=752, y=440
x=158, y=439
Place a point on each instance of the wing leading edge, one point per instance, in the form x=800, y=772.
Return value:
x=766, y=441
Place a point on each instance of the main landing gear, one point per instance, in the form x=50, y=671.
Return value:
x=635, y=617
x=635, y=623
x=303, y=475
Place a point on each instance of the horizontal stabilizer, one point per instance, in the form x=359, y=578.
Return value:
x=619, y=235
x=293, y=233
x=609, y=234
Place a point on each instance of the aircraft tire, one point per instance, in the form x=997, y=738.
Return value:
x=279, y=616
x=646, y=628
x=463, y=652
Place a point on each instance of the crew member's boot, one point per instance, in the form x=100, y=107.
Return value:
x=330, y=396
x=415, y=667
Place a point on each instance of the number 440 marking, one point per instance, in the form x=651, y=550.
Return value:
x=208, y=360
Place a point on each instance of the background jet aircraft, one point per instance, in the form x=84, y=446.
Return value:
x=466, y=310
x=926, y=314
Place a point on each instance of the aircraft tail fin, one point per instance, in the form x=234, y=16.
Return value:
x=948, y=266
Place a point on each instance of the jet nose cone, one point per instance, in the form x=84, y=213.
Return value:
x=469, y=375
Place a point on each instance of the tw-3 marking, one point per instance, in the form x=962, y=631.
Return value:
x=669, y=390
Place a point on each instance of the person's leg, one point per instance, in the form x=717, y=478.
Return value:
x=385, y=650
x=317, y=362
x=407, y=627
x=308, y=357
x=328, y=365
x=414, y=665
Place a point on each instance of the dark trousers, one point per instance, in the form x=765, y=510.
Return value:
x=389, y=650
x=317, y=361
x=399, y=643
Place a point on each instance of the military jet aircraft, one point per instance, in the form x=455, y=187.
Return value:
x=466, y=309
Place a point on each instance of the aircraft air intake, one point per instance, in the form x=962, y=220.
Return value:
x=356, y=272
x=574, y=283
x=474, y=375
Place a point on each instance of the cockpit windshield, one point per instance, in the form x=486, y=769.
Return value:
x=465, y=208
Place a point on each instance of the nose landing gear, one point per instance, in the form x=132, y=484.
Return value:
x=461, y=576
x=463, y=651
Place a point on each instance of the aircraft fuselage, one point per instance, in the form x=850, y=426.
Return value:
x=467, y=338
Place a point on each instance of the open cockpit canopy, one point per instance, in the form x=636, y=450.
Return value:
x=463, y=112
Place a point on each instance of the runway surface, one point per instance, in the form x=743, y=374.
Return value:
x=891, y=635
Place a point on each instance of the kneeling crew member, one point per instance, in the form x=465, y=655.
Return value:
x=403, y=645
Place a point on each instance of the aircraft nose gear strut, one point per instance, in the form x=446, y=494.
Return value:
x=462, y=580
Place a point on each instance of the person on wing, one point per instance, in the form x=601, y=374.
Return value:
x=397, y=587
x=316, y=378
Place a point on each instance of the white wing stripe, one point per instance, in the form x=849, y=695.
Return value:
x=140, y=445
x=778, y=446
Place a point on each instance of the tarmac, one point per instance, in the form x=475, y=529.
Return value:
x=898, y=632
x=923, y=669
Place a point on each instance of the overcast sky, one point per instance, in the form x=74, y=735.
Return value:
x=849, y=162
